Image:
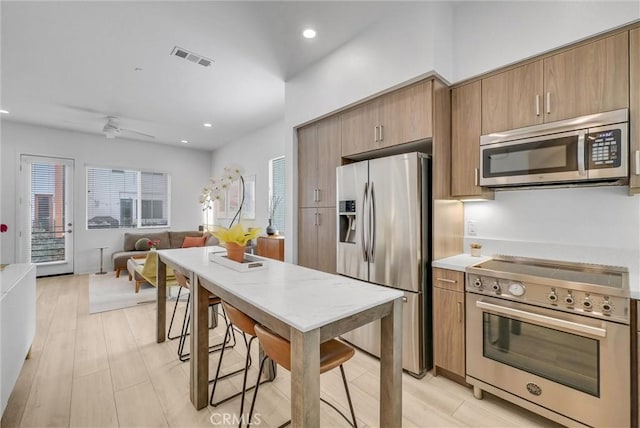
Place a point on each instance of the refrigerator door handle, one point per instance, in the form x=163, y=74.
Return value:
x=363, y=240
x=372, y=223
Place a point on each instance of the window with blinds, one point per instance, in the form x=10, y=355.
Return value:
x=277, y=195
x=118, y=198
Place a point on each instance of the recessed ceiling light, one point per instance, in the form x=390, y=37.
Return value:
x=4, y=111
x=309, y=33
x=184, y=141
x=207, y=125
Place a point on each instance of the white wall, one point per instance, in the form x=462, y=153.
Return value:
x=402, y=47
x=489, y=35
x=253, y=152
x=189, y=169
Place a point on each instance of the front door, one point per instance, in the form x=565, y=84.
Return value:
x=45, y=214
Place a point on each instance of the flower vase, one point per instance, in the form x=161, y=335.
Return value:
x=235, y=251
x=270, y=229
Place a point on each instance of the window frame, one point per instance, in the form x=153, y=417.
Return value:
x=137, y=219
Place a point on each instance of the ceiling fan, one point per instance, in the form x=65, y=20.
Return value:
x=111, y=129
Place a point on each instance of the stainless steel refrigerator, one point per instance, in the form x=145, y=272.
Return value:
x=384, y=238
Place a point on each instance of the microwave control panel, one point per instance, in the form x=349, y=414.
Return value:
x=604, y=149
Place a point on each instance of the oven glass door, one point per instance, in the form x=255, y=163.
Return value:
x=553, y=156
x=562, y=357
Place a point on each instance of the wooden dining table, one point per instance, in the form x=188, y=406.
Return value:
x=305, y=306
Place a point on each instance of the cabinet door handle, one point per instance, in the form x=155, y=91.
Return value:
x=375, y=133
x=476, y=176
x=450, y=281
x=548, y=102
x=317, y=219
x=381, y=132
x=459, y=311
x=537, y=105
x=637, y=162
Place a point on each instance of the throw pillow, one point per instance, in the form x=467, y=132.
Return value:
x=193, y=241
x=142, y=244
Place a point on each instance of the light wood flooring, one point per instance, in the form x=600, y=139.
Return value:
x=107, y=370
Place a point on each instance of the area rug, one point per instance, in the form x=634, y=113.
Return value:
x=107, y=293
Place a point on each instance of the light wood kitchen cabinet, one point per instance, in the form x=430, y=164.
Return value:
x=466, y=115
x=634, y=111
x=396, y=118
x=318, y=157
x=512, y=99
x=591, y=78
x=317, y=238
x=271, y=247
x=448, y=322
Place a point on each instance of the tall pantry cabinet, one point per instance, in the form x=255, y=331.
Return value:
x=318, y=156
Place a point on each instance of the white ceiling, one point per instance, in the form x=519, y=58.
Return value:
x=70, y=64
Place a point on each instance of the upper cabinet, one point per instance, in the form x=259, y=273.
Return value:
x=512, y=99
x=466, y=115
x=318, y=157
x=592, y=78
x=396, y=118
x=634, y=111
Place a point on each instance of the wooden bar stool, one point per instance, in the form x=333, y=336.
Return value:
x=246, y=325
x=214, y=301
x=333, y=353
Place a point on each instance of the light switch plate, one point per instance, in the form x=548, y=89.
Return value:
x=472, y=228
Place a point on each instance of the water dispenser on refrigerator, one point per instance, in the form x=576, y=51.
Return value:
x=347, y=213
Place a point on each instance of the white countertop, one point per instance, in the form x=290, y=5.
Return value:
x=12, y=274
x=303, y=298
x=458, y=262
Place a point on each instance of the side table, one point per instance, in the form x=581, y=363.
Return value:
x=271, y=247
x=102, y=272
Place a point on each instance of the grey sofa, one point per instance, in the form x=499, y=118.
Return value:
x=168, y=239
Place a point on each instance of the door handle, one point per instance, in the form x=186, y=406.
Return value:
x=363, y=240
x=542, y=319
x=537, y=105
x=375, y=133
x=459, y=311
x=637, y=162
x=381, y=132
x=372, y=226
x=548, y=102
x=476, y=175
x=581, y=169
x=317, y=217
x=69, y=231
x=450, y=281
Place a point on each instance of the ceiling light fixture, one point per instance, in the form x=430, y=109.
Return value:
x=184, y=141
x=3, y=111
x=309, y=33
x=207, y=125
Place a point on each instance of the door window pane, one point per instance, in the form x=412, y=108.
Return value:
x=277, y=192
x=47, y=212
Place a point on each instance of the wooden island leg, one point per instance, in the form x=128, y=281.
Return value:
x=199, y=362
x=391, y=367
x=305, y=378
x=161, y=301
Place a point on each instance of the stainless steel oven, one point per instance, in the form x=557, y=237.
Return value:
x=551, y=337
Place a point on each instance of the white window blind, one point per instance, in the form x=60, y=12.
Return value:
x=277, y=191
x=118, y=198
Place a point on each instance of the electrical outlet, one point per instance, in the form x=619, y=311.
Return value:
x=472, y=228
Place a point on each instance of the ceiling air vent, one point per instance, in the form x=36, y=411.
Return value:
x=192, y=57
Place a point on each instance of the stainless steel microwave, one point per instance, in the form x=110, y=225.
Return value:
x=587, y=148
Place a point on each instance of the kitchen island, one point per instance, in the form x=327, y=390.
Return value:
x=305, y=306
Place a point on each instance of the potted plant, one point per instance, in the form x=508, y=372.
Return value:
x=235, y=239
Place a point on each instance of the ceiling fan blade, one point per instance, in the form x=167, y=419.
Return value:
x=137, y=132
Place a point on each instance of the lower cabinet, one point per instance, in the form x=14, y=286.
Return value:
x=448, y=322
x=271, y=247
x=317, y=238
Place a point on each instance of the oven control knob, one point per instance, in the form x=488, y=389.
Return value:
x=607, y=306
x=569, y=300
x=496, y=287
x=553, y=297
x=587, y=304
x=477, y=283
x=516, y=289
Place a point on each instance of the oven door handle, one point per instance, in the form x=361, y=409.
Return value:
x=543, y=319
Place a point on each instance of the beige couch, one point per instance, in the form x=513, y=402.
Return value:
x=168, y=239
